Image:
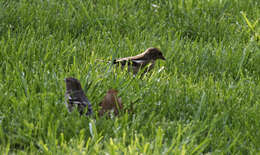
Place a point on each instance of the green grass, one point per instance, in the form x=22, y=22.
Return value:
x=205, y=98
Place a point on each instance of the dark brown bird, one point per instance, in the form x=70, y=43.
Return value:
x=140, y=61
x=75, y=97
x=111, y=103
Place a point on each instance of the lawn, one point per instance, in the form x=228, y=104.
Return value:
x=204, y=99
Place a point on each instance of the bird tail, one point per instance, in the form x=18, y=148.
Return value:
x=100, y=60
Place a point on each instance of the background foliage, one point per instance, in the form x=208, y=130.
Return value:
x=203, y=99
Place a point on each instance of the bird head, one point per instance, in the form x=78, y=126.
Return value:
x=72, y=84
x=112, y=91
x=154, y=54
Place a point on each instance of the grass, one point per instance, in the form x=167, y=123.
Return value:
x=204, y=99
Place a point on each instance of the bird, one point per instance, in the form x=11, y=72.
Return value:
x=140, y=61
x=75, y=97
x=110, y=103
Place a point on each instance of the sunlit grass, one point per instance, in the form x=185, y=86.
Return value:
x=203, y=99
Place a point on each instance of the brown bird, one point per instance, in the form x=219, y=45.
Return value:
x=140, y=61
x=75, y=97
x=111, y=103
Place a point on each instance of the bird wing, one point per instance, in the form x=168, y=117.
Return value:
x=133, y=62
x=79, y=99
x=140, y=61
